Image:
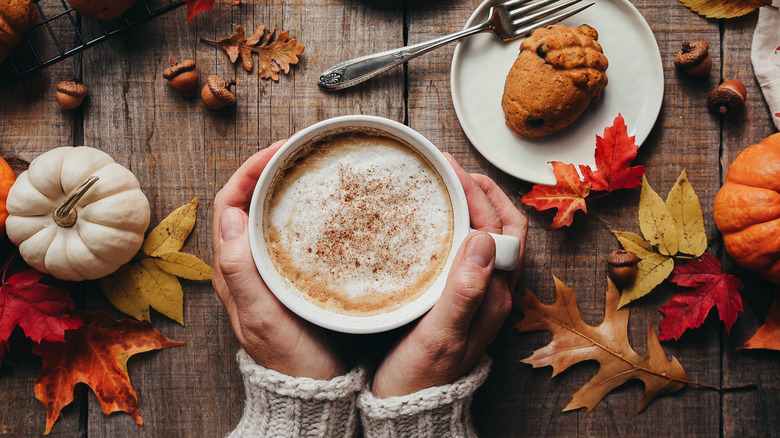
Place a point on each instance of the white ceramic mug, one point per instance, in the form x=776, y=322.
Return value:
x=507, y=247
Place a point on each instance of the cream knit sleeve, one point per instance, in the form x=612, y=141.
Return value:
x=279, y=405
x=441, y=411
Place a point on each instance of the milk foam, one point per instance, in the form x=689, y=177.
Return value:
x=361, y=224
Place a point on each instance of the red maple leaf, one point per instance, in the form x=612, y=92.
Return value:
x=195, y=7
x=567, y=195
x=614, y=153
x=96, y=354
x=777, y=115
x=41, y=310
x=713, y=288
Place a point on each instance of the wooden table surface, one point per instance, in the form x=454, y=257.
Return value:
x=179, y=149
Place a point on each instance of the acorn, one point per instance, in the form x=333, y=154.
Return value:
x=70, y=94
x=216, y=93
x=694, y=58
x=622, y=267
x=728, y=98
x=182, y=77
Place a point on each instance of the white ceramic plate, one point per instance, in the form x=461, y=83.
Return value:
x=635, y=90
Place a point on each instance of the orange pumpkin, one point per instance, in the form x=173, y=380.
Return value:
x=747, y=209
x=6, y=181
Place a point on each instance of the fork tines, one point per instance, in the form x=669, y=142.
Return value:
x=532, y=14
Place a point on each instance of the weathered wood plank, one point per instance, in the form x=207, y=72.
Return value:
x=747, y=412
x=31, y=122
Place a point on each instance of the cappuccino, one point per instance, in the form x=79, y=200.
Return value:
x=358, y=222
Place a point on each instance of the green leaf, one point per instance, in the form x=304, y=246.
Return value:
x=655, y=221
x=685, y=209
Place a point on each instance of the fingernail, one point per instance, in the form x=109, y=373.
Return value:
x=231, y=224
x=481, y=250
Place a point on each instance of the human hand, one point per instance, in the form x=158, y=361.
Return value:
x=449, y=340
x=270, y=333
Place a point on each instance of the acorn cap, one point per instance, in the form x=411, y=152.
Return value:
x=729, y=97
x=177, y=68
x=691, y=54
x=621, y=257
x=72, y=88
x=221, y=89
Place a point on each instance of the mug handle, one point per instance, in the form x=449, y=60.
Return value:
x=507, y=251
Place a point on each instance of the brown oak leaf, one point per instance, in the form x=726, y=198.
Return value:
x=275, y=53
x=96, y=354
x=575, y=341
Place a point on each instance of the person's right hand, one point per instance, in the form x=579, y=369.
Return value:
x=446, y=343
x=271, y=334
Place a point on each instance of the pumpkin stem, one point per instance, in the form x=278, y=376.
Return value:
x=65, y=214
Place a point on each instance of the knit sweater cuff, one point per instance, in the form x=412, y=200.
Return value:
x=442, y=411
x=280, y=405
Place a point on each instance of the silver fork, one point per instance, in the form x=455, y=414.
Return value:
x=508, y=20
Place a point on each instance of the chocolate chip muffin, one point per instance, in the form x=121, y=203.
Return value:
x=560, y=70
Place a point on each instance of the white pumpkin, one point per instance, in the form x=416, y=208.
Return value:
x=76, y=214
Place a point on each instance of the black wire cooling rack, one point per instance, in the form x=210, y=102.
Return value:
x=61, y=33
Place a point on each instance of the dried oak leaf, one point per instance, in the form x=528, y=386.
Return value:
x=768, y=336
x=567, y=195
x=724, y=8
x=195, y=7
x=275, y=53
x=713, y=288
x=614, y=153
x=575, y=341
x=43, y=312
x=95, y=354
x=149, y=281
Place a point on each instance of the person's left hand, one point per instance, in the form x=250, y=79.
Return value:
x=270, y=333
x=449, y=340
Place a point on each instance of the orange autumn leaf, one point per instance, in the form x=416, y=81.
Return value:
x=567, y=195
x=96, y=354
x=275, y=53
x=575, y=341
x=724, y=8
x=768, y=336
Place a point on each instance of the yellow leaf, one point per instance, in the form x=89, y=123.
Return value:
x=184, y=266
x=170, y=235
x=634, y=243
x=165, y=293
x=124, y=293
x=655, y=221
x=683, y=204
x=651, y=272
x=724, y=8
